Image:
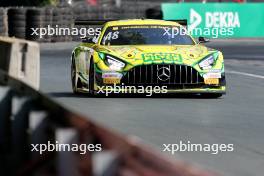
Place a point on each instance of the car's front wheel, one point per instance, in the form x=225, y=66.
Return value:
x=74, y=78
x=91, y=78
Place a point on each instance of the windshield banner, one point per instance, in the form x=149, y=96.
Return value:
x=218, y=20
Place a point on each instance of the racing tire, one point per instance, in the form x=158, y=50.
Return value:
x=92, y=92
x=74, y=79
x=211, y=95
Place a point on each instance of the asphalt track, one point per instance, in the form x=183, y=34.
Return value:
x=236, y=118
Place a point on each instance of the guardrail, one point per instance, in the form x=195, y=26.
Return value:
x=28, y=117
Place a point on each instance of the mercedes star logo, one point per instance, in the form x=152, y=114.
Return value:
x=163, y=73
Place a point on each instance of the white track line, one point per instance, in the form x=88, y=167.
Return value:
x=246, y=74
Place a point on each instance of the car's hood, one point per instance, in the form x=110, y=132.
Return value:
x=182, y=54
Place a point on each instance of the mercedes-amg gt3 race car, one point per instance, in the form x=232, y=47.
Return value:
x=143, y=53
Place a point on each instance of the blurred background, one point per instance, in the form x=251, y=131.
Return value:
x=18, y=16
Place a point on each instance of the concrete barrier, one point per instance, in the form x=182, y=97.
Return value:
x=21, y=60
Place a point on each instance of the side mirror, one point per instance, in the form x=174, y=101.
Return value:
x=88, y=40
x=203, y=40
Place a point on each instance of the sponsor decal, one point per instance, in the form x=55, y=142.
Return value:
x=214, y=23
x=111, y=74
x=214, y=19
x=195, y=19
x=210, y=81
x=212, y=75
x=111, y=80
x=214, y=71
x=218, y=20
x=111, y=77
x=170, y=57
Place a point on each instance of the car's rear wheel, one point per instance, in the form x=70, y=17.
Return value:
x=211, y=95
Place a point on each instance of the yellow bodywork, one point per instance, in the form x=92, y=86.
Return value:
x=134, y=55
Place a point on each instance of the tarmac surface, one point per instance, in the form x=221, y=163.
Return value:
x=236, y=118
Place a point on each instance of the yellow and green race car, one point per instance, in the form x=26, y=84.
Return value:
x=147, y=53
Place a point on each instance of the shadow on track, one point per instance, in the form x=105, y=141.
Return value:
x=85, y=95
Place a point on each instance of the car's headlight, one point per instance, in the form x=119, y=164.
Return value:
x=207, y=63
x=113, y=63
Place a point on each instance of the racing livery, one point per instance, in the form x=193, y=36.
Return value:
x=144, y=52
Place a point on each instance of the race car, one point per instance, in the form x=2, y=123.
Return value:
x=147, y=53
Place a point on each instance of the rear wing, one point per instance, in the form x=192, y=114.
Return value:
x=92, y=27
x=182, y=22
x=90, y=22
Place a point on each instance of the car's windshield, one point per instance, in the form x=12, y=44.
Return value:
x=146, y=35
